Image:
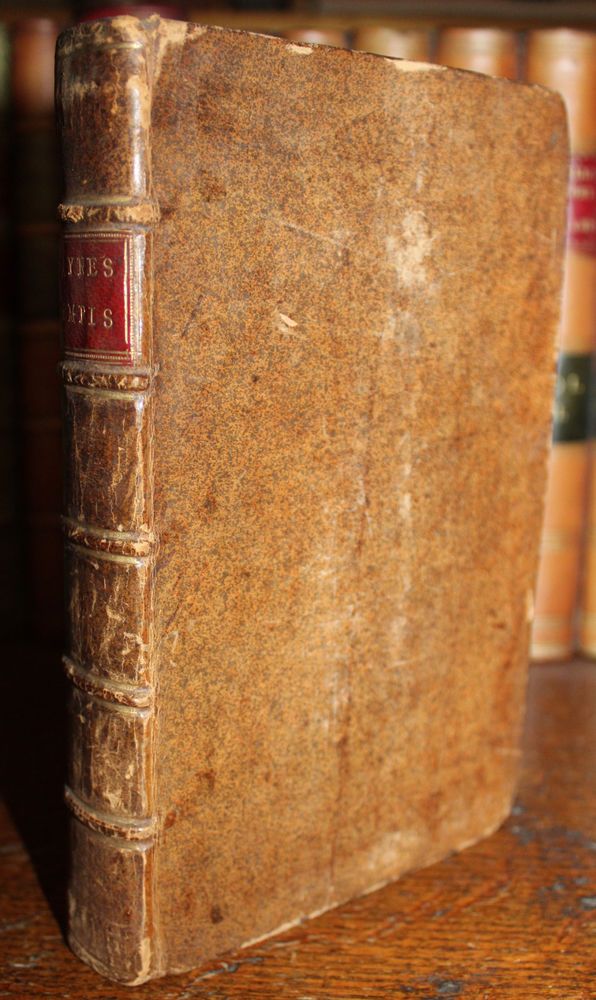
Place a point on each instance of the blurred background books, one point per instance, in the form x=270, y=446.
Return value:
x=549, y=43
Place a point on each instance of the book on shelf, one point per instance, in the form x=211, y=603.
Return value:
x=587, y=617
x=35, y=191
x=489, y=50
x=565, y=60
x=317, y=35
x=399, y=43
x=309, y=309
x=583, y=221
x=11, y=533
x=93, y=10
x=522, y=13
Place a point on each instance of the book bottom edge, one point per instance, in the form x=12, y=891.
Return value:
x=199, y=962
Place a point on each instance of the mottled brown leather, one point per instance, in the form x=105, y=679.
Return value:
x=348, y=333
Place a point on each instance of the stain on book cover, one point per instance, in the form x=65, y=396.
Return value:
x=101, y=274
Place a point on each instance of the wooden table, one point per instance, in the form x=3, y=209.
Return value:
x=513, y=917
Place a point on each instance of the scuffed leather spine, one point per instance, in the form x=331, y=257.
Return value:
x=104, y=106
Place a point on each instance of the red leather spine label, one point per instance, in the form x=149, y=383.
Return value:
x=101, y=275
x=581, y=218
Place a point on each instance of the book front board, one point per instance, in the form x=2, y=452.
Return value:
x=353, y=270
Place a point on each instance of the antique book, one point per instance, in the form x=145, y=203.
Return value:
x=317, y=35
x=11, y=536
x=403, y=43
x=583, y=239
x=587, y=618
x=35, y=192
x=93, y=10
x=309, y=308
x=483, y=49
x=566, y=61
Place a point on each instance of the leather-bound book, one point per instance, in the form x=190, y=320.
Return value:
x=587, y=621
x=400, y=43
x=11, y=534
x=494, y=51
x=309, y=307
x=90, y=10
x=36, y=188
x=583, y=241
x=565, y=60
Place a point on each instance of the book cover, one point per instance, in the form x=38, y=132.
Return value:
x=309, y=306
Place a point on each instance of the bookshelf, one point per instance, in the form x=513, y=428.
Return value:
x=347, y=15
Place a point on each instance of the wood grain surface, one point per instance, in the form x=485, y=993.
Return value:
x=512, y=918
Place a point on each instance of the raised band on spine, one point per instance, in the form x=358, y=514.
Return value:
x=106, y=690
x=132, y=830
x=123, y=543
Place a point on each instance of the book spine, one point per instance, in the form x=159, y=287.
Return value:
x=482, y=49
x=11, y=535
x=585, y=215
x=317, y=36
x=565, y=60
x=104, y=105
x=405, y=43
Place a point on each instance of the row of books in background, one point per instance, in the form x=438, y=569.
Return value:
x=563, y=58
